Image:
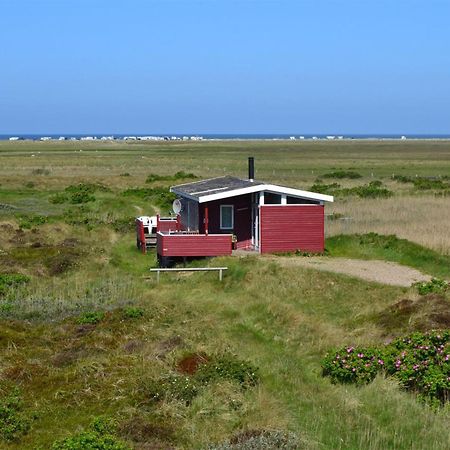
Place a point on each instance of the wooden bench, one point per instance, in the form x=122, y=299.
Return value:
x=158, y=270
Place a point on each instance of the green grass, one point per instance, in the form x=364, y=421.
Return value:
x=390, y=248
x=88, y=340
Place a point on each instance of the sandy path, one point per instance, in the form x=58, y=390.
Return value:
x=371, y=270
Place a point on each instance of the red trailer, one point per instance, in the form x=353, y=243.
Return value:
x=222, y=213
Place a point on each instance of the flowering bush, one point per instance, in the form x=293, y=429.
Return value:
x=353, y=365
x=420, y=362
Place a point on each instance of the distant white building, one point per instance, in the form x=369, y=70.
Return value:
x=292, y=138
x=14, y=138
x=46, y=138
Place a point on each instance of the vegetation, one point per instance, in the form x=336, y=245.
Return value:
x=420, y=362
x=435, y=286
x=341, y=174
x=100, y=436
x=180, y=175
x=374, y=189
x=13, y=423
x=86, y=333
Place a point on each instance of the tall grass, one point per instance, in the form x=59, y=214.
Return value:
x=421, y=219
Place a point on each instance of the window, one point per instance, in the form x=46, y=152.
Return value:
x=272, y=199
x=226, y=217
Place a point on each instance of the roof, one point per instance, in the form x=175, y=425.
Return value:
x=226, y=187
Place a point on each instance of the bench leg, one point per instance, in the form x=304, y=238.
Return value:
x=220, y=275
x=157, y=276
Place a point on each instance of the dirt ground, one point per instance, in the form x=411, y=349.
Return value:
x=371, y=270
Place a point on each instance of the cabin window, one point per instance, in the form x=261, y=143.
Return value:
x=226, y=217
x=300, y=201
x=272, y=199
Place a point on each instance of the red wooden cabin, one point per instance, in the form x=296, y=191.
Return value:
x=223, y=213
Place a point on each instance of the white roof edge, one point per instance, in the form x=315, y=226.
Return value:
x=258, y=188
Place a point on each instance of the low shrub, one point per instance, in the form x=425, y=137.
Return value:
x=328, y=189
x=374, y=189
x=13, y=423
x=158, y=196
x=133, y=313
x=172, y=387
x=100, y=436
x=341, y=174
x=420, y=362
x=91, y=318
x=125, y=174
x=59, y=198
x=352, y=365
x=28, y=222
x=228, y=367
x=8, y=281
x=434, y=286
x=181, y=175
x=81, y=197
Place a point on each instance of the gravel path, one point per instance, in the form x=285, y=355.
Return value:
x=371, y=270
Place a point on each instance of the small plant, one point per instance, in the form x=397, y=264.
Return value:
x=133, y=313
x=59, y=198
x=173, y=387
x=100, y=436
x=434, y=286
x=81, y=197
x=13, y=423
x=8, y=281
x=125, y=174
x=29, y=185
x=28, y=222
x=91, y=318
x=228, y=367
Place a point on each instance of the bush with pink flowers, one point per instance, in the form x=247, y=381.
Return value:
x=420, y=362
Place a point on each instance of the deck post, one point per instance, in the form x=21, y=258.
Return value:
x=220, y=275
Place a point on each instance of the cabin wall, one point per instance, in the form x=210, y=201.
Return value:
x=289, y=228
x=242, y=218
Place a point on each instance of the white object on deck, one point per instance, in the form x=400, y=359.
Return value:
x=190, y=269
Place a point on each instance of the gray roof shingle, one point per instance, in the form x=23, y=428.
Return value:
x=201, y=188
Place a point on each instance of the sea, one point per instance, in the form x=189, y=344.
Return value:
x=196, y=136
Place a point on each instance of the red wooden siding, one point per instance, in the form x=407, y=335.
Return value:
x=242, y=218
x=193, y=244
x=290, y=228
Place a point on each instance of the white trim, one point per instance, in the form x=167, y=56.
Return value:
x=263, y=187
x=232, y=217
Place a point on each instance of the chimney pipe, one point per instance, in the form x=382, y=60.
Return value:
x=251, y=168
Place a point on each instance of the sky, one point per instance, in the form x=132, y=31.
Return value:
x=225, y=66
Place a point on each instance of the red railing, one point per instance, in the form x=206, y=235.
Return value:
x=193, y=244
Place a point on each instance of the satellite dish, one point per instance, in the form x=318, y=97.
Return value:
x=177, y=206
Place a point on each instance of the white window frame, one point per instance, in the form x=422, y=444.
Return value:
x=232, y=217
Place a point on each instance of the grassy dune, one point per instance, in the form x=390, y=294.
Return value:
x=81, y=258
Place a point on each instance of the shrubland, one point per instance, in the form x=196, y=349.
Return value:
x=94, y=353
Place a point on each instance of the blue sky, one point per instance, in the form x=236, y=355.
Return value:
x=225, y=66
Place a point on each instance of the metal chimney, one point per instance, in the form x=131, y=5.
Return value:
x=251, y=168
